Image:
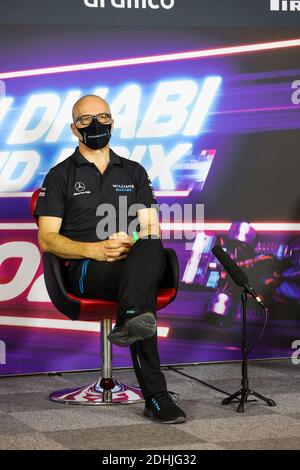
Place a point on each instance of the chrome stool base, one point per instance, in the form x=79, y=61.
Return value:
x=103, y=392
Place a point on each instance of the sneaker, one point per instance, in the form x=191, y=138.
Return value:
x=139, y=327
x=162, y=409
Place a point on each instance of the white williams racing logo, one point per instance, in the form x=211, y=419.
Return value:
x=80, y=189
x=142, y=4
x=285, y=5
x=123, y=187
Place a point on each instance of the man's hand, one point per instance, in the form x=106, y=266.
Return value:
x=122, y=236
x=120, y=246
x=113, y=249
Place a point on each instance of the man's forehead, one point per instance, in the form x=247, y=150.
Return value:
x=91, y=106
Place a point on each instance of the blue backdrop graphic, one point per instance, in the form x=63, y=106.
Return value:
x=221, y=131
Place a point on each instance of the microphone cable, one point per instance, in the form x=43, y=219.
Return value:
x=172, y=368
x=262, y=331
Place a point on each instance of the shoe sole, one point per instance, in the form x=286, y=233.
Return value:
x=136, y=329
x=180, y=419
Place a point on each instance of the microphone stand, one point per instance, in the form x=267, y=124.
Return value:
x=245, y=391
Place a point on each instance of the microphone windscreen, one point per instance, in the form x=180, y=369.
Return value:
x=237, y=274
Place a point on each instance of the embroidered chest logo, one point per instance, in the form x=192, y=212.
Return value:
x=123, y=187
x=80, y=188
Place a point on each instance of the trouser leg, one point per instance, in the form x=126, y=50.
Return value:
x=142, y=272
x=146, y=363
x=133, y=282
x=140, y=288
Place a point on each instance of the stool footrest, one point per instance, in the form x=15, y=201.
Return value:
x=94, y=394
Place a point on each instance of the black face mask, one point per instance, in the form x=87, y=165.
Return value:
x=96, y=135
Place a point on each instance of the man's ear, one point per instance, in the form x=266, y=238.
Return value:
x=74, y=130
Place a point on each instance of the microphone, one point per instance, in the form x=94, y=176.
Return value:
x=236, y=273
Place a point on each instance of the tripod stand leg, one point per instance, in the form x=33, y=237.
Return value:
x=228, y=400
x=241, y=407
x=269, y=401
x=245, y=391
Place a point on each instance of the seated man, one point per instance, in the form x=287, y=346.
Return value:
x=103, y=260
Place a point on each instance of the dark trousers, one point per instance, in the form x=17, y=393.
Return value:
x=133, y=282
